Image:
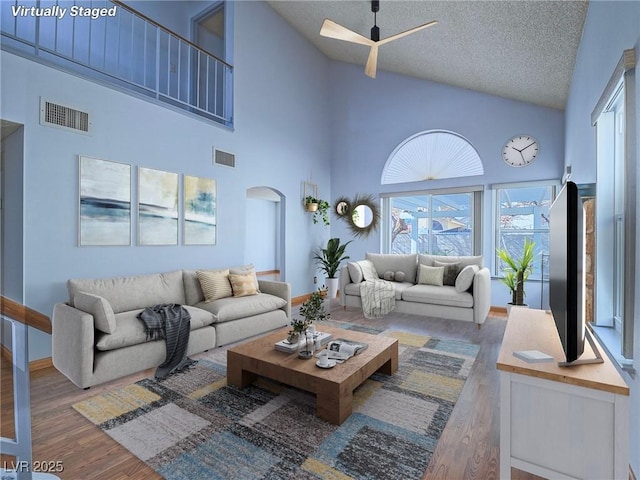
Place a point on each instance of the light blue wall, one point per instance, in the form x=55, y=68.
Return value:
x=371, y=117
x=610, y=28
x=174, y=15
x=281, y=135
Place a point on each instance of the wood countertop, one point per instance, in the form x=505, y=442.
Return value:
x=530, y=329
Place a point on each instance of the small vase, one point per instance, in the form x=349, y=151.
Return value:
x=293, y=338
x=305, y=347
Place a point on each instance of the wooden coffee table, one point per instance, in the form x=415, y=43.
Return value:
x=333, y=387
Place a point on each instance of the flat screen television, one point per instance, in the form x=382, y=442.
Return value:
x=566, y=270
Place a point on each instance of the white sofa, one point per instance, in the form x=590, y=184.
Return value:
x=445, y=301
x=97, y=336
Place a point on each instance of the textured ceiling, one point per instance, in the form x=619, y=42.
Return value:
x=524, y=50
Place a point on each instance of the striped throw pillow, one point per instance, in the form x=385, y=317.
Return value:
x=215, y=284
x=247, y=269
x=243, y=284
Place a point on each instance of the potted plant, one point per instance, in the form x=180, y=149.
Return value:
x=517, y=271
x=319, y=208
x=312, y=310
x=329, y=259
x=310, y=203
x=298, y=327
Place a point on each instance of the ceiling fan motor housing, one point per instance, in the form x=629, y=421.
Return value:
x=375, y=33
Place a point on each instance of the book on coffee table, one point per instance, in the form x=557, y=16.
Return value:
x=342, y=349
x=288, y=347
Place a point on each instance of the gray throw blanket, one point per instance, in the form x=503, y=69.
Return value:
x=173, y=323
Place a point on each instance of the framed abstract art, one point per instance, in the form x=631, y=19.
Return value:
x=200, y=211
x=157, y=207
x=105, y=202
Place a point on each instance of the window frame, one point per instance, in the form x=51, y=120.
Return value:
x=477, y=194
x=604, y=121
x=497, y=230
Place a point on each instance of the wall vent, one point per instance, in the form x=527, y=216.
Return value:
x=55, y=115
x=224, y=158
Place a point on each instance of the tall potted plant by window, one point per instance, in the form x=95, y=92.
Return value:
x=329, y=259
x=517, y=271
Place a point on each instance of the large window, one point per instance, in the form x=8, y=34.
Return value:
x=438, y=223
x=522, y=212
x=616, y=211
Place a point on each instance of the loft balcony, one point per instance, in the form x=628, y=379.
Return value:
x=111, y=43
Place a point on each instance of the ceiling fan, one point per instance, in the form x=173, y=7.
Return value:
x=333, y=30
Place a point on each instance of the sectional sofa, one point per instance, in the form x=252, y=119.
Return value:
x=97, y=336
x=446, y=296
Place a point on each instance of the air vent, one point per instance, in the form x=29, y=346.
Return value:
x=224, y=158
x=55, y=115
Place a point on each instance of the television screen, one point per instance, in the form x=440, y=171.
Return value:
x=566, y=269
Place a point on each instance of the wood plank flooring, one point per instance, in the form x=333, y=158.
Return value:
x=468, y=448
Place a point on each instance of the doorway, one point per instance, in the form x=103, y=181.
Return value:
x=265, y=231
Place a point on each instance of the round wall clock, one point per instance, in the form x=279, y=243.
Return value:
x=520, y=151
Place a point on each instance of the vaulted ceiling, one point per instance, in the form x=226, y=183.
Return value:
x=523, y=50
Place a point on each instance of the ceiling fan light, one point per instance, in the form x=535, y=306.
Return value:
x=375, y=33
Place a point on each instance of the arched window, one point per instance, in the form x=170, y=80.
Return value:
x=429, y=155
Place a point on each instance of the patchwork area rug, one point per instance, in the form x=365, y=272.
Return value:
x=194, y=426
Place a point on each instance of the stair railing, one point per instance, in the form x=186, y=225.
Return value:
x=21, y=317
x=128, y=50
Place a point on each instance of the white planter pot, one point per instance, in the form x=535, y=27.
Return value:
x=332, y=287
x=510, y=305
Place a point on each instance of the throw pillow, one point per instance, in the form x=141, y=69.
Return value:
x=465, y=278
x=451, y=271
x=389, y=275
x=215, y=284
x=99, y=307
x=242, y=284
x=430, y=275
x=355, y=272
x=247, y=269
x=400, y=276
x=368, y=270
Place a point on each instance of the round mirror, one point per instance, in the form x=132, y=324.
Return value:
x=362, y=216
x=342, y=208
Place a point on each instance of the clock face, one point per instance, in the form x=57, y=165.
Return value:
x=520, y=151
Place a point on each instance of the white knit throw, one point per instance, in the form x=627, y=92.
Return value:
x=378, y=298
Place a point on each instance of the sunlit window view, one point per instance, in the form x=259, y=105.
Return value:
x=523, y=213
x=434, y=224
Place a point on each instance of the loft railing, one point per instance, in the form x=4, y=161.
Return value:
x=21, y=317
x=122, y=47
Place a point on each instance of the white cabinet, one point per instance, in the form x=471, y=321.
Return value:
x=559, y=422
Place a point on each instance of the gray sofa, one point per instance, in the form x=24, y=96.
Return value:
x=97, y=336
x=444, y=301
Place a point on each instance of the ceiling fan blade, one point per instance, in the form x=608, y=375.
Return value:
x=372, y=62
x=406, y=32
x=333, y=30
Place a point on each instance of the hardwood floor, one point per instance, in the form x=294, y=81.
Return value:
x=468, y=448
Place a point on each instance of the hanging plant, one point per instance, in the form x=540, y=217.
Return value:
x=319, y=208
